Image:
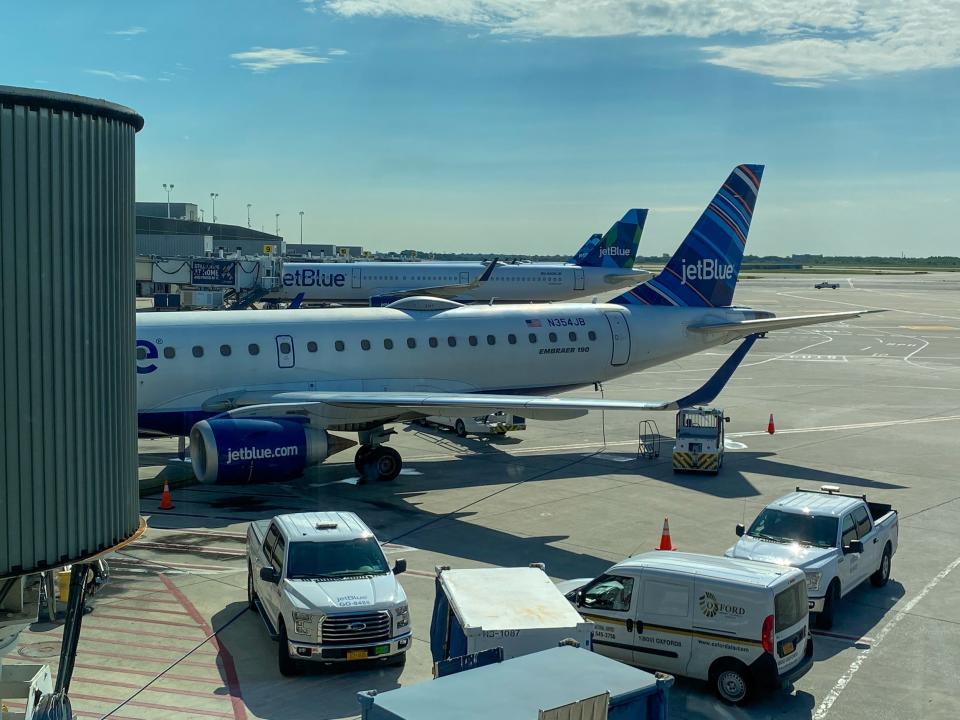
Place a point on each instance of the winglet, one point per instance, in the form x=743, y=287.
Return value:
x=488, y=271
x=706, y=393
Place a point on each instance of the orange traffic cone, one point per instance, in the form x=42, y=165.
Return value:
x=665, y=537
x=770, y=426
x=166, y=500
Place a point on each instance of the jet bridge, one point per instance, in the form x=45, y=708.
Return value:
x=225, y=281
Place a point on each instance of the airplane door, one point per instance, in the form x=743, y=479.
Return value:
x=621, y=338
x=464, y=278
x=356, y=278
x=285, y=357
x=578, y=278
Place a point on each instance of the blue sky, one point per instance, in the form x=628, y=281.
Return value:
x=507, y=126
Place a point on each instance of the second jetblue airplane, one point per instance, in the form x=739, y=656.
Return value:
x=261, y=393
x=604, y=263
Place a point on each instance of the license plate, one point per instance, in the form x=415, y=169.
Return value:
x=356, y=654
x=788, y=648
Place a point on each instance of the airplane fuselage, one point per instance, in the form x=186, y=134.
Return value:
x=356, y=283
x=186, y=359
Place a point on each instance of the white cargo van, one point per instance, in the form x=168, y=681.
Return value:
x=740, y=625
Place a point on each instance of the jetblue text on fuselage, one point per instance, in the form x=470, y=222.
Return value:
x=308, y=277
x=706, y=269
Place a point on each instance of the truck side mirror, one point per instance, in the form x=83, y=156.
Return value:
x=740, y=529
x=268, y=574
x=855, y=546
x=400, y=566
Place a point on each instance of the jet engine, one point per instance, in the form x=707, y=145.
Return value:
x=247, y=450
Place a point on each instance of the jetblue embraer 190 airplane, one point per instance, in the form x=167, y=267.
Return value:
x=260, y=392
x=604, y=263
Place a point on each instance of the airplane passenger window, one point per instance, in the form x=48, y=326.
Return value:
x=225, y=350
x=339, y=345
x=592, y=335
x=284, y=348
x=452, y=341
x=411, y=343
x=311, y=346
x=253, y=349
x=491, y=340
x=198, y=351
x=533, y=338
x=141, y=353
x=553, y=337
x=573, y=337
x=473, y=340
x=388, y=344
x=169, y=353
x=365, y=344
x=433, y=342
x=512, y=339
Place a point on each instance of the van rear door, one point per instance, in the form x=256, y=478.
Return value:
x=663, y=624
x=791, y=624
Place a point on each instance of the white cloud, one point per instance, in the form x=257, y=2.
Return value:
x=311, y=6
x=119, y=76
x=261, y=59
x=801, y=42
x=130, y=31
x=337, y=51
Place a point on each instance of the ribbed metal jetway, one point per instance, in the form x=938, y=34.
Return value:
x=68, y=442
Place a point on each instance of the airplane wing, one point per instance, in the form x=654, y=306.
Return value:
x=743, y=328
x=343, y=409
x=440, y=291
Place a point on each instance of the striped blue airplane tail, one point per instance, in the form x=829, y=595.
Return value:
x=703, y=272
x=616, y=249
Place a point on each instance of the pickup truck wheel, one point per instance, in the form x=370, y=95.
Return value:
x=287, y=665
x=730, y=680
x=880, y=577
x=824, y=620
x=460, y=428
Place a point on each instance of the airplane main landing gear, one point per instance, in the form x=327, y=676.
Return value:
x=378, y=463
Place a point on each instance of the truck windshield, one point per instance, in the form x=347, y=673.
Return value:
x=779, y=526
x=328, y=560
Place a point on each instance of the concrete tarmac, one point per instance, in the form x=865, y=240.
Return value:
x=872, y=405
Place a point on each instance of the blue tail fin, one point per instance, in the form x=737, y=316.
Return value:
x=616, y=249
x=703, y=272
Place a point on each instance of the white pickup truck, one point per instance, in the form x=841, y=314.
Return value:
x=838, y=540
x=322, y=585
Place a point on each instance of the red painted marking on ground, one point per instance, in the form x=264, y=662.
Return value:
x=87, y=623
x=127, y=643
x=198, y=549
x=83, y=651
x=127, y=618
x=145, y=597
x=128, y=671
x=137, y=608
x=14, y=704
x=174, y=566
x=151, y=706
x=153, y=688
x=226, y=659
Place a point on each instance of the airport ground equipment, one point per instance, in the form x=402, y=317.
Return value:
x=701, y=616
x=324, y=590
x=517, y=609
x=561, y=682
x=648, y=440
x=497, y=422
x=699, y=445
x=838, y=540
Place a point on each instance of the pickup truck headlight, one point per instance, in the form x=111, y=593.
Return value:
x=304, y=623
x=402, y=614
x=813, y=580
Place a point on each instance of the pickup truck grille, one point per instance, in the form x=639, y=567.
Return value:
x=355, y=629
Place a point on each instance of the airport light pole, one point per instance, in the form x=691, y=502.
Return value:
x=301, y=227
x=213, y=200
x=169, y=189
x=277, y=218
x=248, y=213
